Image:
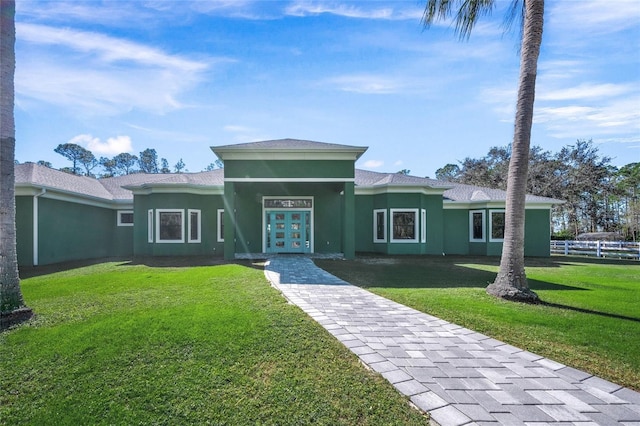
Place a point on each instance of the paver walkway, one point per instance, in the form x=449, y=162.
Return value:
x=458, y=376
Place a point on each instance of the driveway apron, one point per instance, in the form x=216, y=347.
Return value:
x=458, y=376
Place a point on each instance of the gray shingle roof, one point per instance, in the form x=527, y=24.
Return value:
x=289, y=145
x=470, y=193
x=35, y=175
x=117, y=188
x=109, y=189
x=369, y=178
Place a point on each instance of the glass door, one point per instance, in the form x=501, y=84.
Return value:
x=287, y=232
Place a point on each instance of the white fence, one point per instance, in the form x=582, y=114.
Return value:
x=617, y=249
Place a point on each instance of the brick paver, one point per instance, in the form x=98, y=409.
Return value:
x=458, y=376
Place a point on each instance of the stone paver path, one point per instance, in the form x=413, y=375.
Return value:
x=458, y=376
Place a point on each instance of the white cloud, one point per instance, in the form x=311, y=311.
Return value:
x=373, y=164
x=615, y=119
x=243, y=134
x=109, y=49
x=585, y=91
x=306, y=8
x=365, y=84
x=112, y=146
x=93, y=73
x=603, y=16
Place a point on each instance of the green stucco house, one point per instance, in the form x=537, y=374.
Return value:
x=280, y=196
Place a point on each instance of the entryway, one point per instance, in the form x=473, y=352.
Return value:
x=288, y=231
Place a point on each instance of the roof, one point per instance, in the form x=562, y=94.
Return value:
x=369, y=178
x=30, y=174
x=288, y=145
x=288, y=149
x=471, y=193
x=109, y=189
x=120, y=188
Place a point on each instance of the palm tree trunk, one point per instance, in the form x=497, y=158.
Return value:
x=12, y=308
x=511, y=282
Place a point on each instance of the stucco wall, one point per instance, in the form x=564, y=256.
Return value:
x=24, y=230
x=71, y=231
x=208, y=206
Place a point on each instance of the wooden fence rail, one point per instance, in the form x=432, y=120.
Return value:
x=617, y=249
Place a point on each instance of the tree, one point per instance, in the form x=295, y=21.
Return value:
x=218, y=164
x=403, y=172
x=450, y=173
x=44, y=163
x=124, y=163
x=12, y=307
x=511, y=281
x=179, y=167
x=585, y=183
x=148, y=161
x=109, y=166
x=164, y=166
x=628, y=185
x=78, y=156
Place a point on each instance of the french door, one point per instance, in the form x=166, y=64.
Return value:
x=288, y=231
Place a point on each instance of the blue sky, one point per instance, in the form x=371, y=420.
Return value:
x=181, y=76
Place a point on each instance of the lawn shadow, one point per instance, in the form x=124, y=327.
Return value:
x=151, y=261
x=588, y=311
x=36, y=271
x=441, y=272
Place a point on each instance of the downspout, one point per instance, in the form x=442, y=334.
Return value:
x=35, y=225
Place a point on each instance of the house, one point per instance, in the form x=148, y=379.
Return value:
x=279, y=196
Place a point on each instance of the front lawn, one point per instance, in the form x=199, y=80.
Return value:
x=116, y=343
x=590, y=319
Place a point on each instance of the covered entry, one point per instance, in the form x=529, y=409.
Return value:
x=289, y=196
x=288, y=225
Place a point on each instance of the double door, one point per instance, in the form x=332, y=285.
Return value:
x=288, y=231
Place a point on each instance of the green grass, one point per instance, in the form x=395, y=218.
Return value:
x=590, y=318
x=116, y=343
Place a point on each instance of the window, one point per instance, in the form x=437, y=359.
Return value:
x=220, y=225
x=169, y=226
x=496, y=224
x=405, y=225
x=476, y=225
x=380, y=226
x=125, y=217
x=423, y=226
x=194, y=226
x=288, y=203
x=150, y=225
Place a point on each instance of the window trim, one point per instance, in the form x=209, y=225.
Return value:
x=423, y=225
x=491, y=239
x=484, y=226
x=198, y=239
x=120, y=213
x=416, y=221
x=158, y=213
x=219, y=225
x=150, y=226
x=384, y=225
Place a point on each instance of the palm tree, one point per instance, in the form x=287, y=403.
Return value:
x=12, y=307
x=511, y=282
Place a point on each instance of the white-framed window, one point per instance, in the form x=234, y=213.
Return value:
x=404, y=225
x=220, y=226
x=194, y=226
x=150, y=225
x=380, y=226
x=476, y=225
x=169, y=225
x=125, y=217
x=496, y=225
x=423, y=226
